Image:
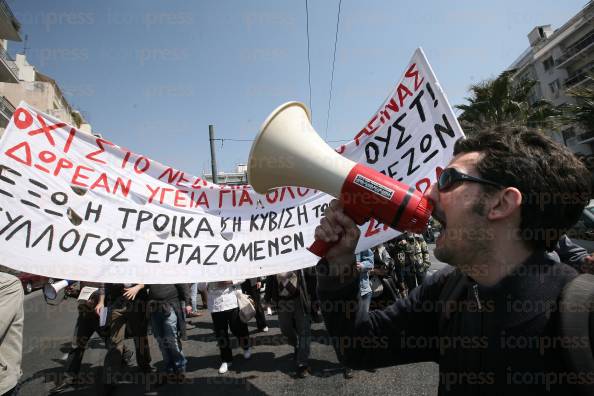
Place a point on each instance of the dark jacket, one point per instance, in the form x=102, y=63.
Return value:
x=500, y=340
x=570, y=253
x=114, y=295
x=166, y=297
x=307, y=288
x=168, y=292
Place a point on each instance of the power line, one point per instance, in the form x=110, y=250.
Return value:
x=308, y=58
x=251, y=140
x=333, y=62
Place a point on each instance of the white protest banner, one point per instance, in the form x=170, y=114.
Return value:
x=74, y=206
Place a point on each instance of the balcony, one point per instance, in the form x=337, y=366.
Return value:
x=6, y=111
x=579, y=76
x=9, y=71
x=586, y=43
x=585, y=137
x=9, y=26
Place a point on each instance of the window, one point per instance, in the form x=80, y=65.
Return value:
x=555, y=86
x=548, y=63
x=569, y=133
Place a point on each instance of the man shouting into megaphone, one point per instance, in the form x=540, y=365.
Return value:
x=492, y=321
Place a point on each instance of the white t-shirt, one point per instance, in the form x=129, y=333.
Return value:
x=222, y=299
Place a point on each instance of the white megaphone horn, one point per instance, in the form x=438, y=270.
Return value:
x=51, y=291
x=289, y=152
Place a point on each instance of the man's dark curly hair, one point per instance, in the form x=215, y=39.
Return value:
x=555, y=185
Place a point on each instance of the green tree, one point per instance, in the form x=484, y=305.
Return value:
x=76, y=118
x=581, y=114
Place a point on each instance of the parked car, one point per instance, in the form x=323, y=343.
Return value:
x=32, y=282
x=8, y=270
x=582, y=232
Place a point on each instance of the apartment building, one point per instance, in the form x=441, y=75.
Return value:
x=20, y=80
x=9, y=72
x=559, y=60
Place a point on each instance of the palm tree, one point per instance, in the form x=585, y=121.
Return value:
x=503, y=101
x=581, y=114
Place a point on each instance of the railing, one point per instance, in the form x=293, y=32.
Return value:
x=9, y=62
x=579, y=76
x=574, y=49
x=585, y=136
x=6, y=107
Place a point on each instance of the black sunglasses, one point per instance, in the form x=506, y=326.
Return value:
x=451, y=176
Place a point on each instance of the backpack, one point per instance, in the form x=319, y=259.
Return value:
x=576, y=320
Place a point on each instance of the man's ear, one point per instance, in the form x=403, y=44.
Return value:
x=505, y=203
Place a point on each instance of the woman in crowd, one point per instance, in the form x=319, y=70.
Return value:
x=224, y=309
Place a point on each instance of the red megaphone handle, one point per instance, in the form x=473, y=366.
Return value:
x=320, y=248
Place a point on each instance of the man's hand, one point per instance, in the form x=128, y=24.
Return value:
x=131, y=292
x=188, y=309
x=98, y=308
x=588, y=264
x=258, y=285
x=378, y=271
x=360, y=267
x=336, y=227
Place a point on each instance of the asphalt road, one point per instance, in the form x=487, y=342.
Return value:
x=270, y=371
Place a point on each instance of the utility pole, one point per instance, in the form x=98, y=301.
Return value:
x=213, y=159
x=25, y=47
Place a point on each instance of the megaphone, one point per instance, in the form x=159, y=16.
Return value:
x=54, y=292
x=289, y=152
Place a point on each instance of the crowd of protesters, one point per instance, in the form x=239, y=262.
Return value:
x=388, y=286
x=119, y=311
x=387, y=273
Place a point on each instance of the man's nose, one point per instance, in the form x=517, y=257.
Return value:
x=432, y=194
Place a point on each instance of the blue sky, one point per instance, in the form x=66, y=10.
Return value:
x=152, y=75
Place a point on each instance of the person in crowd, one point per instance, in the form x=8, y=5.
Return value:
x=252, y=288
x=572, y=254
x=413, y=274
x=292, y=293
x=168, y=304
x=194, y=301
x=429, y=234
x=11, y=333
x=402, y=249
x=397, y=269
x=364, y=262
x=203, y=294
x=87, y=323
x=224, y=309
x=499, y=203
x=127, y=308
x=384, y=269
x=422, y=261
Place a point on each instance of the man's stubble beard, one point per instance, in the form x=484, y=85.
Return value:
x=469, y=250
